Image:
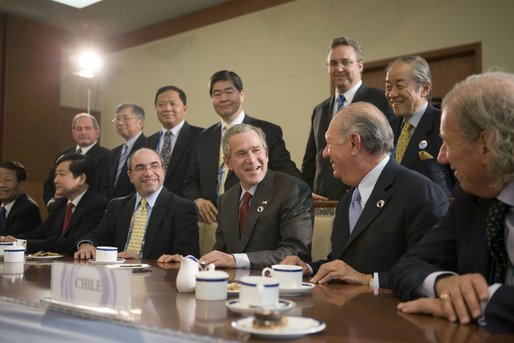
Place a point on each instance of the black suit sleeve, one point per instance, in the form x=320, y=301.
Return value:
x=309, y=160
x=499, y=312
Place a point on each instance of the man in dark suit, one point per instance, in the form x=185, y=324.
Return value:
x=408, y=88
x=464, y=265
x=345, y=66
x=129, y=121
x=208, y=177
x=18, y=213
x=175, y=139
x=275, y=221
x=169, y=225
x=75, y=213
x=387, y=209
x=85, y=132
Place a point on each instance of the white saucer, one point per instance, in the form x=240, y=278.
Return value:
x=118, y=261
x=283, y=306
x=305, y=288
x=135, y=267
x=295, y=327
x=43, y=258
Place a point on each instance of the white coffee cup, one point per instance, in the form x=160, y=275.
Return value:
x=289, y=276
x=258, y=291
x=12, y=270
x=211, y=285
x=14, y=253
x=3, y=245
x=21, y=242
x=106, y=254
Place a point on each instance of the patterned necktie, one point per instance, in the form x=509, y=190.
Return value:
x=3, y=218
x=121, y=162
x=495, y=228
x=223, y=169
x=243, y=210
x=138, y=228
x=403, y=141
x=355, y=209
x=166, y=150
x=67, y=218
x=340, y=102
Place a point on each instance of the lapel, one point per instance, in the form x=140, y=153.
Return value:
x=422, y=132
x=183, y=140
x=260, y=200
x=231, y=221
x=326, y=117
x=116, y=152
x=123, y=219
x=58, y=213
x=80, y=211
x=361, y=94
x=162, y=206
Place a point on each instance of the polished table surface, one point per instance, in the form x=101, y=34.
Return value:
x=351, y=313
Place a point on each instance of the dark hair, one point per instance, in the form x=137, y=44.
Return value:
x=21, y=172
x=226, y=75
x=163, y=89
x=348, y=42
x=136, y=109
x=80, y=164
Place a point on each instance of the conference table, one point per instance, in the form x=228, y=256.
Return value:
x=352, y=313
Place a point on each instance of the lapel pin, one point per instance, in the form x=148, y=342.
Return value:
x=263, y=205
x=260, y=209
x=380, y=203
x=423, y=144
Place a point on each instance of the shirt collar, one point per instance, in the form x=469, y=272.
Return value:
x=251, y=191
x=416, y=118
x=8, y=206
x=132, y=140
x=85, y=149
x=151, y=199
x=507, y=195
x=77, y=198
x=175, y=130
x=350, y=93
x=368, y=183
x=239, y=119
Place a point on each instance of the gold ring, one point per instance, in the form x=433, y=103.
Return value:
x=444, y=296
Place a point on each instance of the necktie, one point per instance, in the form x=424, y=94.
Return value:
x=166, y=149
x=121, y=162
x=243, y=210
x=3, y=218
x=79, y=151
x=67, y=218
x=403, y=141
x=495, y=228
x=223, y=169
x=138, y=228
x=355, y=209
x=340, y=102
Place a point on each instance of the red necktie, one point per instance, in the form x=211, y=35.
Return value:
x=67, y=217
x=243, y=210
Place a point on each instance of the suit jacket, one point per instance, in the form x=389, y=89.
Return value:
x=316, y=170
x=202, y=176
x=172, y=226
x=100, y=157
x=458, y=243
x=412, y=205
x=86, y=216
x=278, y=222
x=428, y=131
x=23, y=216
x=123, y=187
x=180, y=157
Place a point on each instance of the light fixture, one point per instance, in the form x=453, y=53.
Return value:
x=89, y=64
x=77, y=3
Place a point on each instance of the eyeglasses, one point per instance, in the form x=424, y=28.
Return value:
x=142, y=168
x=123, y=120
x=345, y=63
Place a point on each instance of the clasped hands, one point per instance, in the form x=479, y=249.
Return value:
x=459, y=298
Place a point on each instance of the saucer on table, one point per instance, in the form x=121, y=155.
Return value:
x=118, y=261
x=295, y=327
x=305, y=288
x=283, y=306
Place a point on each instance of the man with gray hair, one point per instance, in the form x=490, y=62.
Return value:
x=408, y=89
x=385, y=212
x=464, y=265
x=85, y=132
x=267, y=215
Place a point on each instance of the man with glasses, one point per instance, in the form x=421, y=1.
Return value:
x=129, y=121
x=345, y=66
x=148, y=224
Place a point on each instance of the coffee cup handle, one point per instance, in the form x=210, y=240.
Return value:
x=266, y=270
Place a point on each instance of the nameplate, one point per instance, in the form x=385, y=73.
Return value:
x=93, y=286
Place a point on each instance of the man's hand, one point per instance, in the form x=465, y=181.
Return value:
x=169, y=258
x=338, y=270
x=317, y=197
x=431, y=306
x=296, y=261
x=86, y=252
x=220, y=259
x=7, y=239
x=461, y=296
x=206, y=209
x=128, y=254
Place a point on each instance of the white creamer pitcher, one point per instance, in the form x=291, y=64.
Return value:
x=186, y=277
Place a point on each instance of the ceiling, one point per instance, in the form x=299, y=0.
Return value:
x=106, y=19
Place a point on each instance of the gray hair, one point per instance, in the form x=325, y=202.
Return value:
x=420, y=70
x=129, y=159
x=485, y=102
x=136, y=109
x=348, y=42
x=85, y=115
x=370, y=124
x=237, y=129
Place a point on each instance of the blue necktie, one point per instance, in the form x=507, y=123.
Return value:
x=355, y=209
x=340, y=102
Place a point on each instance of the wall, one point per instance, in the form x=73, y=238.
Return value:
x=280, y=54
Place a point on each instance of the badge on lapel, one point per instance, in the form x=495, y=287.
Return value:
x=262, y=206
x=423, y=155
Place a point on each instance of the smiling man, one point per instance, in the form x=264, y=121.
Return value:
x=175, y=139
x=148, y=224
x=265, y=217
